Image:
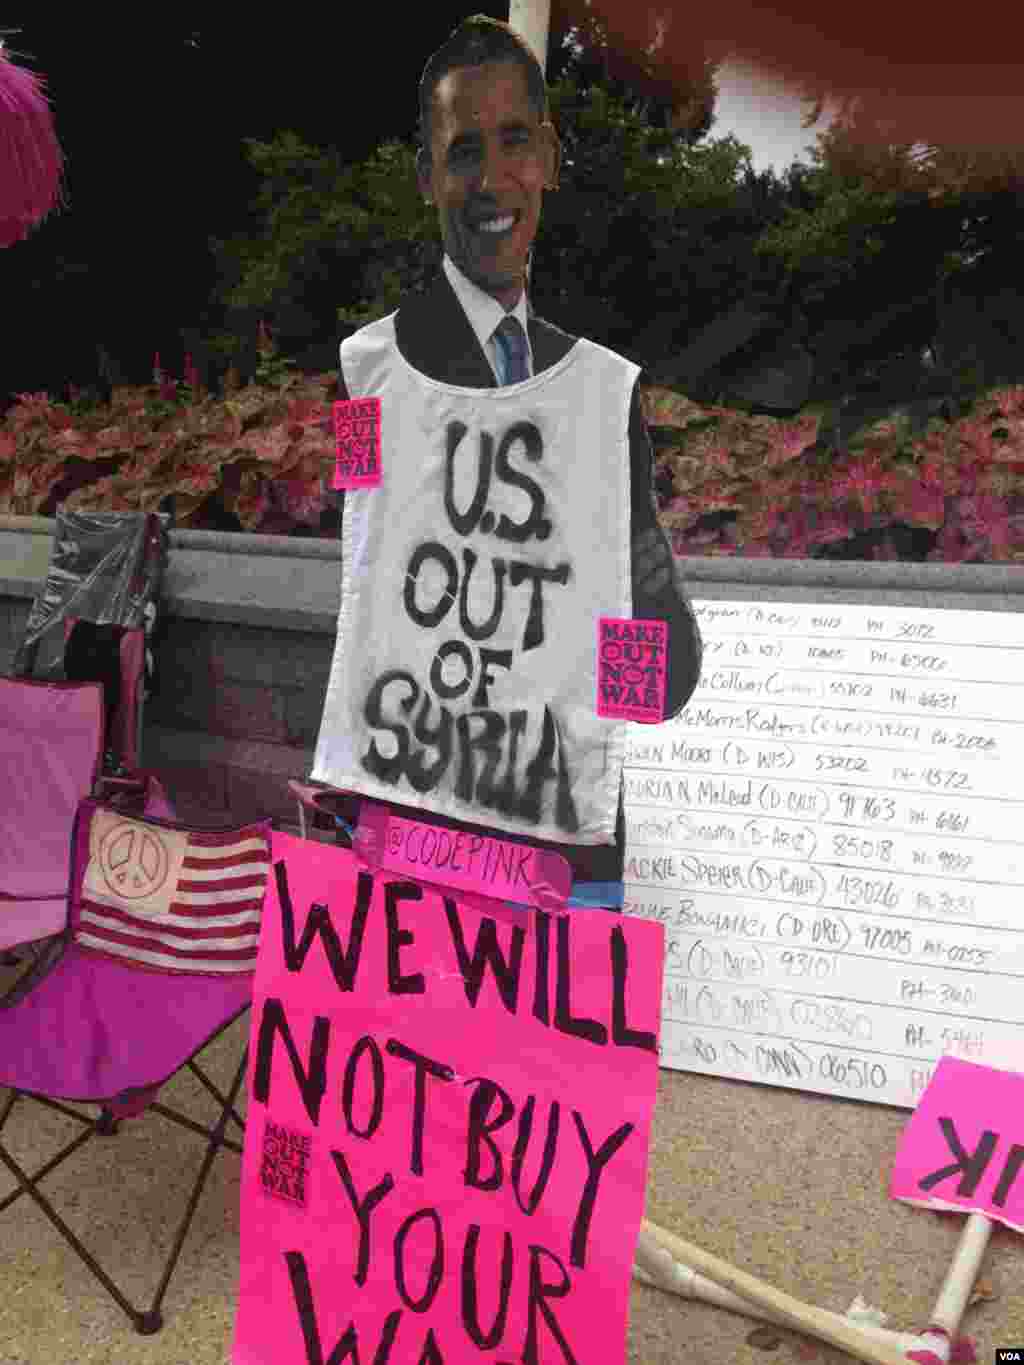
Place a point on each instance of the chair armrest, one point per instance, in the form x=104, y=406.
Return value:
x=128, y=793
x=43, y=964
x=324, y=808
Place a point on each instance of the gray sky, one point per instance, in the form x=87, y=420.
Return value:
x=764, y=116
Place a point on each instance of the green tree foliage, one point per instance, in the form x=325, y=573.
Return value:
x=335, y=241
x=650, y=234
x=340, y=244
x=888, y=234
x=656, y=230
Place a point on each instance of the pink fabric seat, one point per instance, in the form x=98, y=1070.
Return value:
x=92, y=1028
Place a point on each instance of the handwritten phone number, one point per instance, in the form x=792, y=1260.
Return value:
x=774, y=1061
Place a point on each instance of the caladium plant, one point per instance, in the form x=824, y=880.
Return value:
x=728, y=483
x=134, y=453
x=732, y=484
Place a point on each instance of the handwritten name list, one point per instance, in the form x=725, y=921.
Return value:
x=832, y=833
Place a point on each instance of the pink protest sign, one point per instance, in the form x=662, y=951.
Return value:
x=963, y=1148
x=357, y=443
x=463, y=860
x=448, y=1124
x=631, y=666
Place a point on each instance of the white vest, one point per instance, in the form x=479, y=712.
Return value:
x=464, y=672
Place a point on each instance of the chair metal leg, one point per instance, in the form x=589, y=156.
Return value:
x=183, y=1121
x=150, y=1320
x=28, y=1187
x=201, y=1076
x=106, y=1124
x=54, y=1162
x=31, y=1181
x=5, y=1111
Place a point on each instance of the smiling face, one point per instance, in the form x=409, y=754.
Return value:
x=490, y=158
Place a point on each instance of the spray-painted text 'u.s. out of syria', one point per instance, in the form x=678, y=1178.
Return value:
x=500, y=760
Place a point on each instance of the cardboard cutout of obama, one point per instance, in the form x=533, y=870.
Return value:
x=513, y=512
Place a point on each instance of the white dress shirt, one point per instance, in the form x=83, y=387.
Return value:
x=484, y=313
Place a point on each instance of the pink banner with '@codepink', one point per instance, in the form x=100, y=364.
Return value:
x=463, y=860
x=963, y=1148
x=448, y=1124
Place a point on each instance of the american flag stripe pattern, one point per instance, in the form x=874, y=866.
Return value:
x=212, y=919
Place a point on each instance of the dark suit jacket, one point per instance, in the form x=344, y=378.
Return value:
x=435, y=337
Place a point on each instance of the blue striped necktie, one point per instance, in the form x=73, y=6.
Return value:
x=512, y=340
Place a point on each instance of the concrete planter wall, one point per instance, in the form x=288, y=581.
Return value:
x=250, y=625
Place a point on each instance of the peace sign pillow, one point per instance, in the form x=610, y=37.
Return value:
x=170, y=897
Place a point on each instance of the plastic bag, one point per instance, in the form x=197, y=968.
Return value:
x=106, y=567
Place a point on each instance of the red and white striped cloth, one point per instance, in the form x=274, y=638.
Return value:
x=173, y=900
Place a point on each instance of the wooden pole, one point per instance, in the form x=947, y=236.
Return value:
x=531, y=20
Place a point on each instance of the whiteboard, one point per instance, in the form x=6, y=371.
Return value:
x=832, y=833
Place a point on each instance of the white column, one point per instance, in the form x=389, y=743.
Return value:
x=530, y=19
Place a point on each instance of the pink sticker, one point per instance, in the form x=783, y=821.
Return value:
x=467, y=862
x=357, y=443
x=448, y=1124
x=631, y=666
x=963, y=1148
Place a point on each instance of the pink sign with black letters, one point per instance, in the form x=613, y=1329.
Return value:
x=357, y=443
x=963, y=1148
x=631, y=667
x=448, y=1124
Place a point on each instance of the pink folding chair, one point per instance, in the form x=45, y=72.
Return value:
x=160, y=947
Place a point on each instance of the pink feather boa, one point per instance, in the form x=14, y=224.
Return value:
x=31, y=160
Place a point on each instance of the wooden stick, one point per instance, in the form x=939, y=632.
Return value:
x=805, y=1318
x=657, y=1266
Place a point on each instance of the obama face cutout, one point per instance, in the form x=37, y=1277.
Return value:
x=490, y=160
